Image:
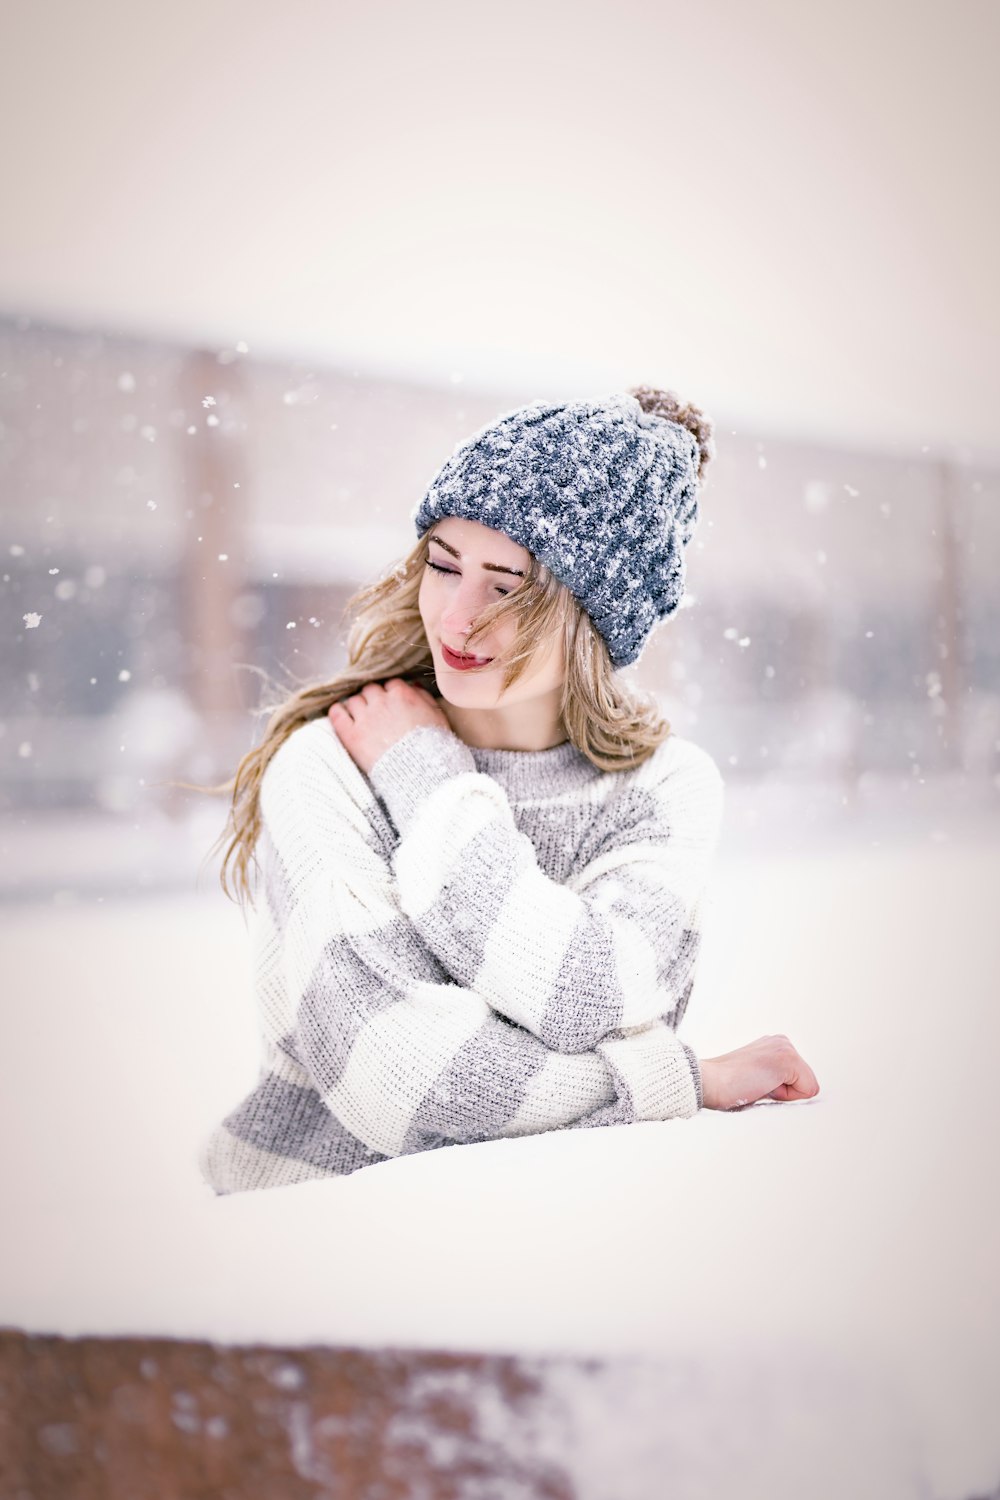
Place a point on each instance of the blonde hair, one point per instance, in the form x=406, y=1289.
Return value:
x=615, y=728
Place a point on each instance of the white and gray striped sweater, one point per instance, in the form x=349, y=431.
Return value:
x=466, y=944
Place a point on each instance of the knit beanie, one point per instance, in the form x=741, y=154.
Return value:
x=603, y=492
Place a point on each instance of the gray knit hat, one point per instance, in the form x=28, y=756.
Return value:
x=603, y=492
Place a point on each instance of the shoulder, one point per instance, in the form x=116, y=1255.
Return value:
x=318, y=813
x=679, y=767
x=312, y=743
x=313, y=768
x=674, y=799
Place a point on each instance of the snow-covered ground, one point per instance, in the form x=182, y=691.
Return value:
x=821, y=1276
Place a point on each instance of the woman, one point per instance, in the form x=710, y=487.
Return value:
x=482, y=861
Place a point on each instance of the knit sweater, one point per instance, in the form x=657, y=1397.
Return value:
x=463, y=945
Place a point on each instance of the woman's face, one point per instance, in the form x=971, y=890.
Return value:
x=470, y=566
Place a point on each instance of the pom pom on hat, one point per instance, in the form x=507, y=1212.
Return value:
x=604, y=493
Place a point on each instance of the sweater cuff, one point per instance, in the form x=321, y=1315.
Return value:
x=414, y=766
x=695, y=1066
x=653, y=1068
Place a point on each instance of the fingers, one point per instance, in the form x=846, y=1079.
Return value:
x=802, y=1086
x=358, y=699
x=340, y=715
x=366, y=695
x=798, y=1079
x=354, y=701
x=805, y=1083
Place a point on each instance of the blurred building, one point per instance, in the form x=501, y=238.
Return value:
x=177, y=522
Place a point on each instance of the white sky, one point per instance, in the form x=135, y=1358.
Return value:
x=788, y=213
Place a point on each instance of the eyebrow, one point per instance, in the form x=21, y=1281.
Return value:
x=491, y=567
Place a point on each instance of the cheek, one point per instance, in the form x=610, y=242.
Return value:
x=424, y=601
x=544, y=671
x=554, y=672
x=503, y=632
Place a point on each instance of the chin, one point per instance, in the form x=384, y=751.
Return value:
x=460, y=692
x=461, y=689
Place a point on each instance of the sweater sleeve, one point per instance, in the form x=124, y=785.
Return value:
x=611, y=949
x=403, y=1056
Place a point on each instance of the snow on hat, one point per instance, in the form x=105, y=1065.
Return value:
x=605, y=493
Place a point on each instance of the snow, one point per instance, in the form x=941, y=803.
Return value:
x=816, y=1279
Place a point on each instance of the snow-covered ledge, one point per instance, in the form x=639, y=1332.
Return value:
x=731, y=1300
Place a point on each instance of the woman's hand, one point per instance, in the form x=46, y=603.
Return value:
x=370, y=721
x=769, y=1068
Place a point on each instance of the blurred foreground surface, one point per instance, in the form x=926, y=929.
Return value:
x=165, y=1417
x=812, y=1283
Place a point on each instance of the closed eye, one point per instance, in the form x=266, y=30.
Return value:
x=454, y=572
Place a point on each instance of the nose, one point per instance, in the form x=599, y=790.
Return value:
x=460, y=615
x=457, y=623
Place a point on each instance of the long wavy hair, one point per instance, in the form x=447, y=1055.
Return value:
x=615, y=727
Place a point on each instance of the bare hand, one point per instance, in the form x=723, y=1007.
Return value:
x=769, y=1068
x=370, y=721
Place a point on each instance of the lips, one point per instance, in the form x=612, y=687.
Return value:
x=463, y=663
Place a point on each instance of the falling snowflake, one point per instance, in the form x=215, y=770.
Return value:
x=208, y=400
x=817, y=495
x=124, y=675
x=31, y=621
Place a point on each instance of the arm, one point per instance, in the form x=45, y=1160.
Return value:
x=404, y=1057
x=612, y=949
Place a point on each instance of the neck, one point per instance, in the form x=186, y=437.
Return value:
x=533, y=726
